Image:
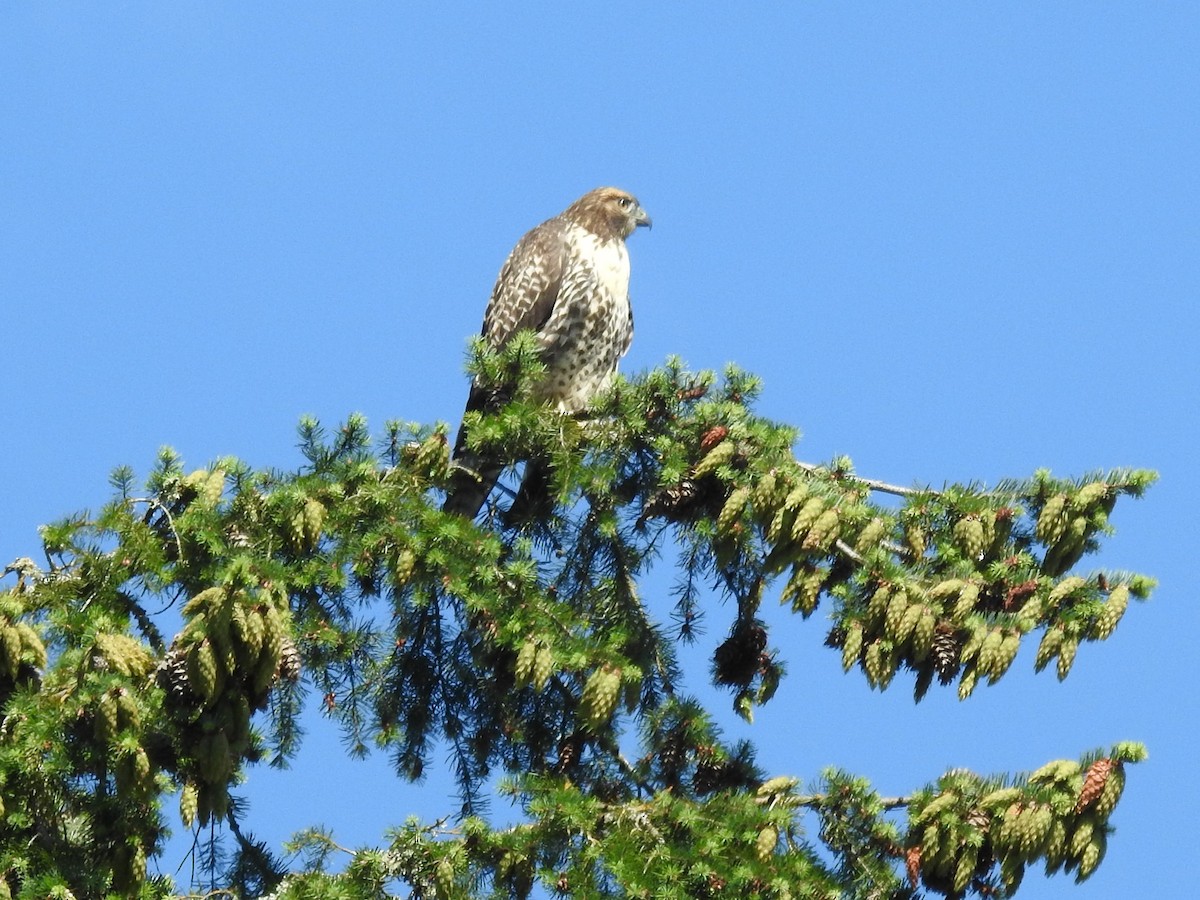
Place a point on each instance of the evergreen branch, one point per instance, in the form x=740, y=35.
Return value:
x=945, y=583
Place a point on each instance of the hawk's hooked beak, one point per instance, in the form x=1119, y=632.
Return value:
x=640, y=218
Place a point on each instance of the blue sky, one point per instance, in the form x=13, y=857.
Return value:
x=957, y=242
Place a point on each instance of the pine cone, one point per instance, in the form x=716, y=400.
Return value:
x=1016, y=594
x=912, y=863
x=568, y=752
x=978, y=818
x=712, y=437
x=289, y=661
x=172, y=676
x=1093, y=783
x=737, y=660
x=944, y=651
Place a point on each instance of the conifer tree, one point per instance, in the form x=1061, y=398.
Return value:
x=161, y=647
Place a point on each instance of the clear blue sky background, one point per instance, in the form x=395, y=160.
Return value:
x=957, y=241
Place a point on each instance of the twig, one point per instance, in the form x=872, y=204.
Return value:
x=615, y=754
x=846, y=550
x=815, y=801
x=154, y=501
x=881, y=486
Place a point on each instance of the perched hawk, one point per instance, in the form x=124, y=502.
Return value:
x=568, y=281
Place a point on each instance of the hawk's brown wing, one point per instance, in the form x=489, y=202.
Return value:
x=523, y=298
x=529, y=283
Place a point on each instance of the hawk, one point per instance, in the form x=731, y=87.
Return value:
x=568, y=281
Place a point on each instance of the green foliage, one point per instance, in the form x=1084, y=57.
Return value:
x=527, y=650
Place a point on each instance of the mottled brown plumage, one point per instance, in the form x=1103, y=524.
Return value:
x=568, y=281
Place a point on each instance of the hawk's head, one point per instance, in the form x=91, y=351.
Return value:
x=608, y=212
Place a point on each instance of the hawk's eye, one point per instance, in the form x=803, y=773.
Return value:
x=624, y=202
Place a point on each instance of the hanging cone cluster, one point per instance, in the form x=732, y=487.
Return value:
x=217, y=671
x=980, y=589
x=959, y=835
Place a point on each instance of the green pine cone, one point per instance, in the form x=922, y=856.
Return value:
x=1055, y=848
x=764, y=844
x=720, y=455
x=1092, y=854
x=989, y=652
x=967, y=681
x=914, y=540
x=1048, y=647
x=1005, y=654
x=1066, y=656
x=1034, y=827
x=129, y=714
x=809, y=514
x=1052, y=521
x=823, y=532
x=896, y=611
x=732, y=511
x=1113, y=788
x=797, y=496
x=107, y=718
x=933, y=807
x=946, y=590
x=908, y=624
x=523, y=668
x=405, y=565
x=32, y=646
x=852, y=646
x=967, y=600
x=872, y=534
x=599, y=697
x=781, y=525
x=1085, y=827
x=964, y=868
x=922, y=634
x=877, y=606
x=764, y=492
x=188, y=805
x=1065, y=588
x=970, y=535
x=262, y=676
x=1001, y=797
x=1110, y=615
x=873, y=663
x=215, y=763
x=202, y=671
x=543, y=668
x=1089, y=495
x=443, y=877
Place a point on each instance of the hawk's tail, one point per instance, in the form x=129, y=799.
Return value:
x=470, y=483
x=534, y=500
